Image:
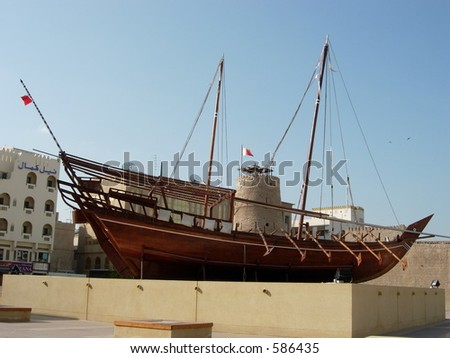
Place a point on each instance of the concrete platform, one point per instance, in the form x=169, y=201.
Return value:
x=41, y=326
x=14, y=314
x=162, y=329
x=305, y=310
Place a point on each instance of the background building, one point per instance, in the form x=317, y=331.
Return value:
x=28, y=196
x=63, y=254
x=325, y=228
x=90, y=259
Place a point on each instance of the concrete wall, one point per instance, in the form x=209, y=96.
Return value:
x=381, y=309
x=89, y=252
x=271, y=309
x=63, y=248
x=427, y=261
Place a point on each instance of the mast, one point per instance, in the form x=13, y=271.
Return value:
x=42, y=116
x=213, y=134
x=305, y=185
x=62, y=154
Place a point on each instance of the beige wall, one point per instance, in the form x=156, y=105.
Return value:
x=271, y=309
x=27, y=204
x=89, y=252
x=63, y=248
x=427, y=261
x=381, y=309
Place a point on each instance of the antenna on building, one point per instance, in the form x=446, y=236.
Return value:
x=42, y=117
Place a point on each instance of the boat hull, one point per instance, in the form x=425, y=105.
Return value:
x=144, y=235
x=147, y=248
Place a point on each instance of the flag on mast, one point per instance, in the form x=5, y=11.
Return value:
x=26, y=100
x=247, y=152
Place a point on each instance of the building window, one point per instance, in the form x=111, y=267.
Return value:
x=4, y=199
x=98, y=263
x=28, y=203
x=3, y=175
x=3, y=225
x=87, y=264
x=31, y=179
x=49, y=206
x=51, y=182
x=27, y=227
x=107, y=264
x=2, y=254
x=42, y=256
x=47, y=232
x=22, y=255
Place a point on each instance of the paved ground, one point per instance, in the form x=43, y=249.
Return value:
x=56, y=327
x=439, y=330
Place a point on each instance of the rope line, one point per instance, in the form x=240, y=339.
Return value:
x=292, y=120
x=366, y=143
x=196, y=121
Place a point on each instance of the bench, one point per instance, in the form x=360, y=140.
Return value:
x=162, y=329
x=15, y=314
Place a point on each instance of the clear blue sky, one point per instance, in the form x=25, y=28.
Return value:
x=130, y=76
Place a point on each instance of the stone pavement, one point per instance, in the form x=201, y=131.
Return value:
x=42, y=326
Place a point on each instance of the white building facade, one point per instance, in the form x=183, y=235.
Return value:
x=326, y=228
x=28, y=197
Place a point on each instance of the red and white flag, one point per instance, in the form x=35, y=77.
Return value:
x=26, y=100
x=246, y=151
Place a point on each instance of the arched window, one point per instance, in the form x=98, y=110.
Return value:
x=107, y=264
x=31, y=180
x=3, y=225
x=28, y=203
x=98, y=263
x=47, y=232
x=27, y=228
x=51, y=181
x=4, y=199
x=49, y=206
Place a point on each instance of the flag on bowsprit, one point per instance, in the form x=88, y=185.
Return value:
x=26, y=100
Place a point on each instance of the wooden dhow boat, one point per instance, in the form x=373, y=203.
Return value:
x=165, y=228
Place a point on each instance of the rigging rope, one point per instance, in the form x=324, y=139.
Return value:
x=223, y=138
x=366, y=142
x=195, y=122
x=325, y=90
x=328, y=110
x=338, y=113
x=292, y=120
